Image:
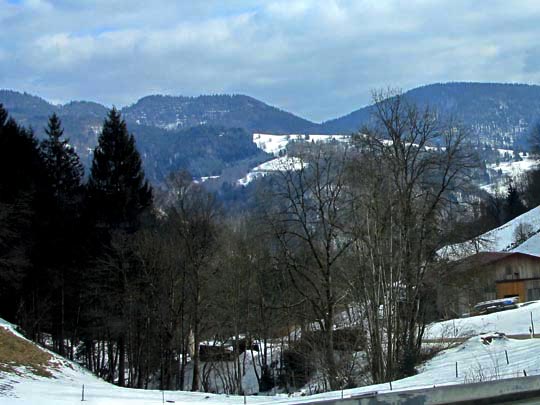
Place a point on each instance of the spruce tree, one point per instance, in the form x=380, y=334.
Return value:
x=21, y=185
x=117, y=190
x=63, y=166
x=60, y=231
x=513, y=205
x=118, y=194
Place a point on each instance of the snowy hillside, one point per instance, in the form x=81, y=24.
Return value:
x=61, y=381
x=501, y=239
x=283, y=163
x=276, y=143
x=480, y=358
x=512, y=322
x=508, y=171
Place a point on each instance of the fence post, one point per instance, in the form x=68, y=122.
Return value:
x=532, y=325
x=506, y=353
x=82, y=395
x=456, y=371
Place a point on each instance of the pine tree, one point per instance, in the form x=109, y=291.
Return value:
x=514, y=207
x=21, y=184
x=63, y=166
x=118, y=194
x=117, y=190
x=58, y=252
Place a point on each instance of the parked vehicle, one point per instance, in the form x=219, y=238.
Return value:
x=487, y=307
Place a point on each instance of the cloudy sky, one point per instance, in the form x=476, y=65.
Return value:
x=318, y=59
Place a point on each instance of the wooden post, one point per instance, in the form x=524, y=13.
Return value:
x=82, y=397
x=456, y=371
x=506, y=353
x=532, y=325
x=524, y=373
x=391, y=386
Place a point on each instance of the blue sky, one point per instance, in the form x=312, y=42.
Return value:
x=318, y=59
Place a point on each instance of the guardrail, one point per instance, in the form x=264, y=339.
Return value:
x=491, y=392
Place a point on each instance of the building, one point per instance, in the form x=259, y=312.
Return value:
x=488, y=276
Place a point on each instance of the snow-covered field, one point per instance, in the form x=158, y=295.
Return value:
x=276, y=143
x=512, y=322
x=509, y=170
x=283, y=163
x=477, y=359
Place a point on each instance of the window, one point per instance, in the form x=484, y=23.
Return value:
x=508, y=273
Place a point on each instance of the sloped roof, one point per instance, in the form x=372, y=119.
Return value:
x=486, y=258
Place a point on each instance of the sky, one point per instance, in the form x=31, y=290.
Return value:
x=318, y=59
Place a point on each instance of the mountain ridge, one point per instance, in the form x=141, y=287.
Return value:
x=497, y=114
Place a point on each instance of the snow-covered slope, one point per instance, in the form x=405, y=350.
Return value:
x=480, y=358
x=509, y=171
x=21, y=385
x=276, y=143
x=283, y=163
x=501, y=239
x=531, y=246
x=512, y=322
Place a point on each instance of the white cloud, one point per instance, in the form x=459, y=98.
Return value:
x=316, y=58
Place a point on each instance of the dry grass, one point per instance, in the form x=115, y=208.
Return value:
x=16, y=352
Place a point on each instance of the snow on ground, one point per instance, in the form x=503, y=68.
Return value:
x=480, y=358
x=66, y=388
x=509, y=170
x=513, y=169
x=205, y=178
x=531, y=246
x=283, y=163
x=477, y=361
x=511, y=322
x=275, y=143
x=499, y=239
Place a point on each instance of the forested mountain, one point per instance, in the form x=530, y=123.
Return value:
x=208, y=134
x=166, y=112
x=204, y=149
x=236, y=111
x=499, y=113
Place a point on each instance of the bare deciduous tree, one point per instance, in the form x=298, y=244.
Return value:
x=408, y=166
x=313, y=224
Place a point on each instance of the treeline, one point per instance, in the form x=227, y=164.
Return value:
x=329, y=279
x=127, y=280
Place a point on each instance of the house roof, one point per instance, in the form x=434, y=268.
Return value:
x=486, y=258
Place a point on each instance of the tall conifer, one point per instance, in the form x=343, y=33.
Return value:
x=21, y=185
x=62, y=164
x=117, y=196
x=118, y=192
x=60, y=230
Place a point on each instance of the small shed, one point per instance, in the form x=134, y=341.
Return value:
x=488, y=276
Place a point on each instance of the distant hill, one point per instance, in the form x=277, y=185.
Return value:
x=204, y=150
x=231, y=111
x=499, y=113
